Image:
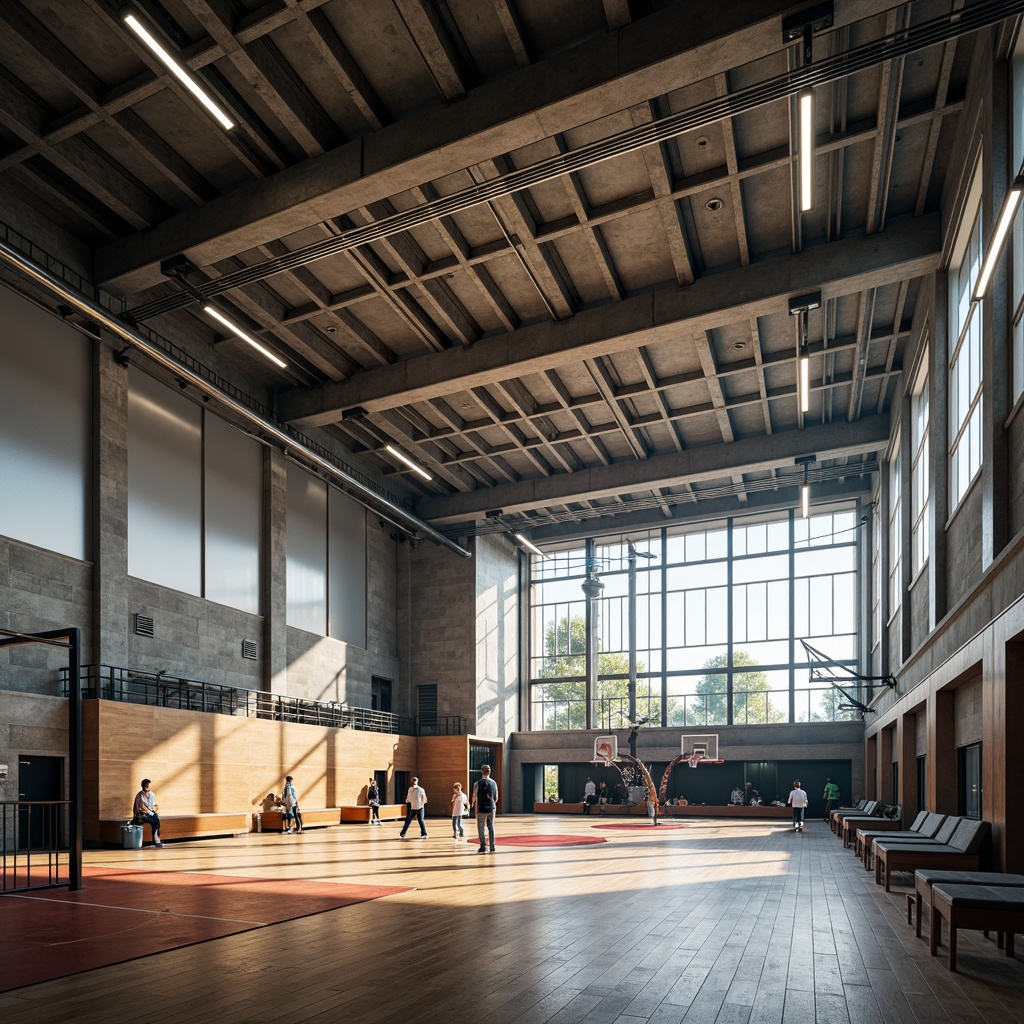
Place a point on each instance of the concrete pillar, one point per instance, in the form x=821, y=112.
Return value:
x=274, y=584
x=111, y=625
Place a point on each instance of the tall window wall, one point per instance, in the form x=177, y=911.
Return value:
x=720, y=611
x=965, y=405
x=919, y=423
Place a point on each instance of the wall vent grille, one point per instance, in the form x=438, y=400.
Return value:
x=144, y=625
x=250, y=650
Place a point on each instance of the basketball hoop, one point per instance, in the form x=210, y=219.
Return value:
x=693, y=760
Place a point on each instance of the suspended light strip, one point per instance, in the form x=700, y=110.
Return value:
x=805, y=105
x=805, y=379
x=391, y=450
x=1011, y=203
x=178, y=70
x=529, y=546
x=805, y=500
x=237, y=331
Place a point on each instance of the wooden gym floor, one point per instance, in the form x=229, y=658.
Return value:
x=721, y=921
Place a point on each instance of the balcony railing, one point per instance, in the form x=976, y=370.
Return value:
x=108, y=682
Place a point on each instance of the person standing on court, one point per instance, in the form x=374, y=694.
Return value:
x=798, y=800
x=415, y=807
x=373, y=799
x=485, y=801
x=290, y=802
x=144, y=810
x=589, y=795
x=831, y=796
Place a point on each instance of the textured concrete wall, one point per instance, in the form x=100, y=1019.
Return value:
x=963, y=546
x=1015, y=444
x=918, y=598
x=31, y=724
x=40, y=590
x=967, y=722
x=437, y=626
x=497, y=637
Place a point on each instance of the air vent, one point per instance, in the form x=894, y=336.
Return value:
x=249, y=649
x=143, y=625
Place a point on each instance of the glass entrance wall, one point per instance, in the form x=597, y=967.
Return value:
x=720, y=609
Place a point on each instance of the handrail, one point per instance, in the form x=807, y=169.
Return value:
x=135, y=686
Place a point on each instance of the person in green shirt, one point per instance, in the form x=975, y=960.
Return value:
x=831, y=796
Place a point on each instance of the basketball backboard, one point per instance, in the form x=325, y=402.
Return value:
x=606, y=748
x=704, y=746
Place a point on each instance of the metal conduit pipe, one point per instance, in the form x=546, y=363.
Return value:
x=356, y=489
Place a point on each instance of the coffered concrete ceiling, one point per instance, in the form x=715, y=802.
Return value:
x=544, y=247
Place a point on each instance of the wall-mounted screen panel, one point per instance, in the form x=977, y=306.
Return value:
x=234, y=489
x=307, y=552
x=347, y=568
x=165, y=486
x=45, y=427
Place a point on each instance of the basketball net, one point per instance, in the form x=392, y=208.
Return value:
x=693, y=760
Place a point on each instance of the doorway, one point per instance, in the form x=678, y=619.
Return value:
x=40, y=778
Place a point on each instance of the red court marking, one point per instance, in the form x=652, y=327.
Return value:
x=548, y=840
x=121, y=914
x=640, y=828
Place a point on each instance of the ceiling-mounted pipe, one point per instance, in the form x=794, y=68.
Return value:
x=834, y=68
x=270, y=430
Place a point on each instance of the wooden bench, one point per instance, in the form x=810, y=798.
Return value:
x=962, y=852
x=181, y=826
x=935, y=828
x=361, y=812
x=314, y=817
x=925, y=879
x=985, y=907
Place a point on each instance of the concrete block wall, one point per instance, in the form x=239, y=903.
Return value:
x=963, y=546
x=40, y=590
x=31, y=724
x=437, y=627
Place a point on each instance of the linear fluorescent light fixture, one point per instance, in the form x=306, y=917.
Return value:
x=215, y=314
x=804, y=387
x=805, y=500
x=391, y=450
x=1011, y=203
x=805, y=108
x=530, y=546
x=177, y=69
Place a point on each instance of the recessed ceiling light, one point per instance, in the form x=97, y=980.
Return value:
x=714, y=204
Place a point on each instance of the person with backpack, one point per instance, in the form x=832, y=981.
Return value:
x=485, y=803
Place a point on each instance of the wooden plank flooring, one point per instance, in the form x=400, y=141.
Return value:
x=723, y=922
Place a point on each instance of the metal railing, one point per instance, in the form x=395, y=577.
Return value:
x=34, y=850
x=131, y=686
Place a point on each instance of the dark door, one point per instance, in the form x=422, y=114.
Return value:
x=40, y=778
x=401, y=786
x=382, y=784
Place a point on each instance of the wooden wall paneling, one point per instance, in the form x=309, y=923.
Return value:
x=219, y=763
x=871, y=767
x=442, y=761
x=940, y=767
x=886, y=753
x=906, y=749
x=1002, y=763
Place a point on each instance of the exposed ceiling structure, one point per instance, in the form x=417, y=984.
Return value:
x=545, y=248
